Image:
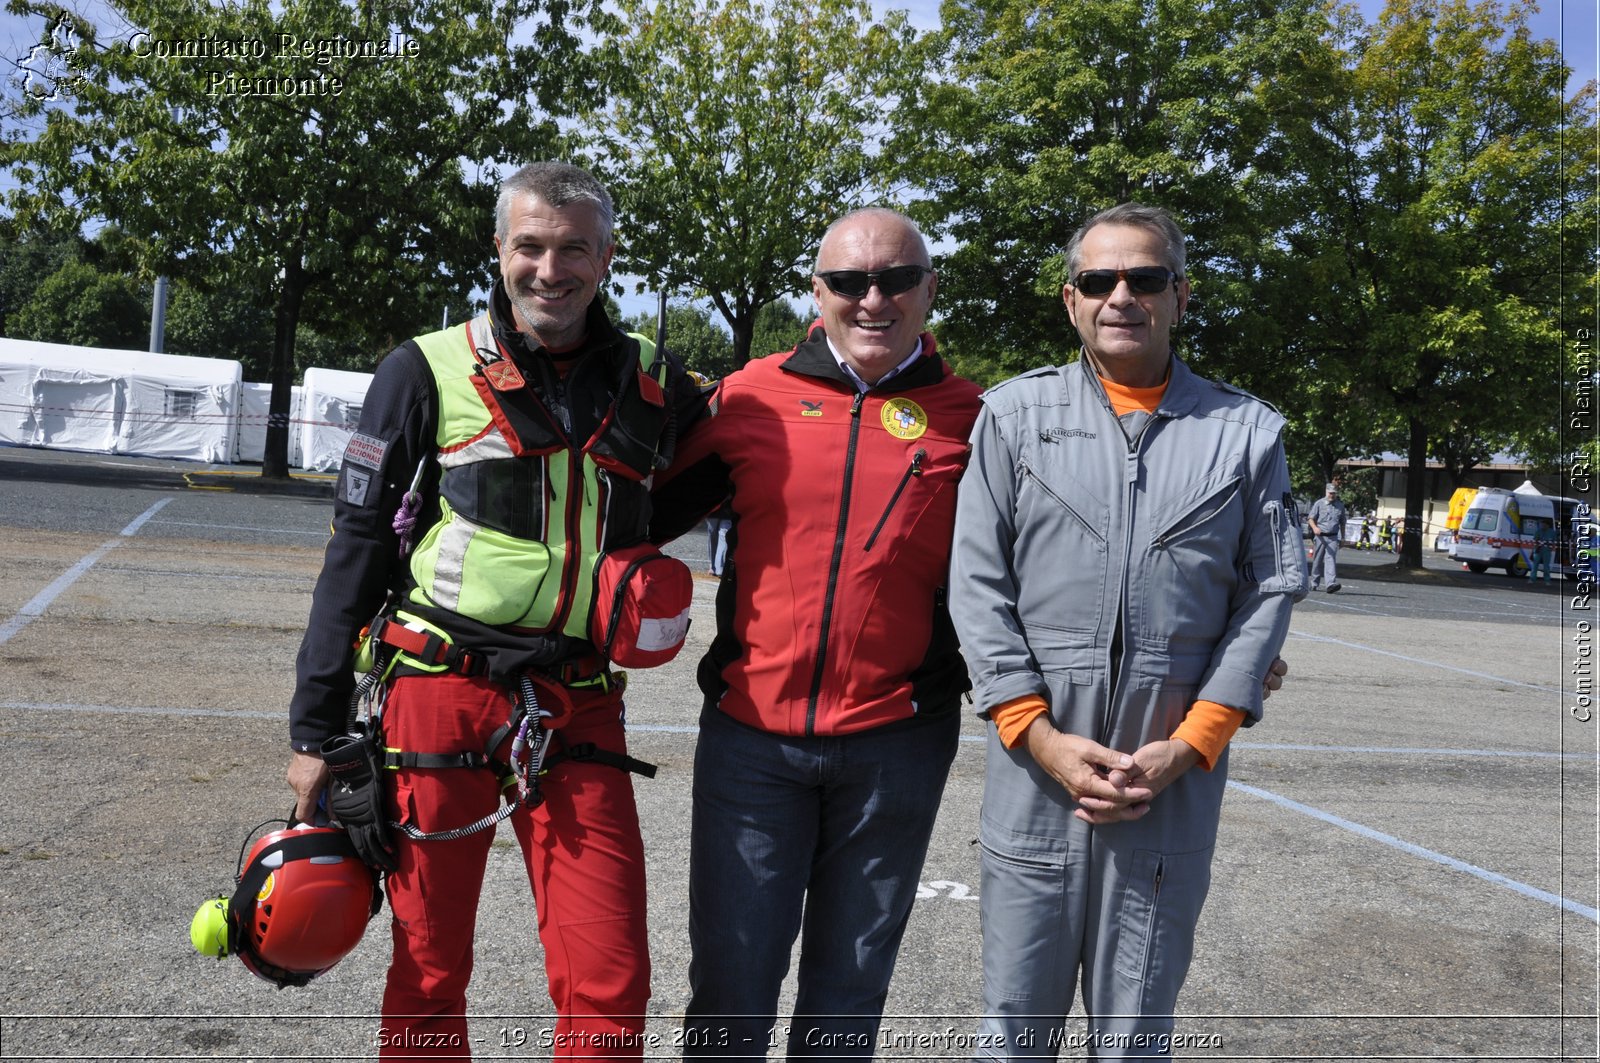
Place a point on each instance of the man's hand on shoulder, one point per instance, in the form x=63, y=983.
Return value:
x=1101, y=780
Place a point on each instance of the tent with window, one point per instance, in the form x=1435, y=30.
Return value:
x=118, y=402
x=330, y=409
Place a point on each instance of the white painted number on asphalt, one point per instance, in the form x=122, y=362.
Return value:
x=954, y=891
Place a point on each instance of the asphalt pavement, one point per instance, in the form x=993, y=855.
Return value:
x=1406, y=870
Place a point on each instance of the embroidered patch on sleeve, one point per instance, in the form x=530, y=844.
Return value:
x=366, y=451
x=357, y=485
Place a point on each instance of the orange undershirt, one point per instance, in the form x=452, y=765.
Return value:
x=1208, y=727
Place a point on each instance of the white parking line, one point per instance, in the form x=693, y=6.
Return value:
x=1369, y=833
x=1551, y=615
x=1430, y=664
x=1427, y=854
x=320, y=533
x=41, y=601
x=1410, y=751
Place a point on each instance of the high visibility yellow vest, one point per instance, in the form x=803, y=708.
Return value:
x=522, y=513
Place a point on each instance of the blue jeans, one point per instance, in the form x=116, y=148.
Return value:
x=717, y=543
x=823, y=836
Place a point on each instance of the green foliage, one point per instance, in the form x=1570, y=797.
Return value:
x=357, y=191
x=225, y=324
x=738, y=130
x=691, y=334
x=26, y=261
x=1053, y=112
x=1418, y=269
x=778, y=328
x=80, y=305
x=1358, y=488
x=705, y=346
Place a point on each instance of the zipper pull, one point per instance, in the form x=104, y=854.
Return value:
x=915, y=469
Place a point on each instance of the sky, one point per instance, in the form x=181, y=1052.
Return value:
x=1571, y=23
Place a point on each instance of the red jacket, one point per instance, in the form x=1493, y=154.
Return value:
x=830, y=617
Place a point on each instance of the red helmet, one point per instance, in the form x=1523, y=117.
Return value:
x=302, y=904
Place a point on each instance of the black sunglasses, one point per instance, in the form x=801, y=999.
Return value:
x=1146, y=280
x=854, y=283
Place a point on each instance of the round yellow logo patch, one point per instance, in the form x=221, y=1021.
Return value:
x=904, y=419
x=267, y=887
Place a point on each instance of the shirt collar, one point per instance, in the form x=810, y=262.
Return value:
x=855, y=378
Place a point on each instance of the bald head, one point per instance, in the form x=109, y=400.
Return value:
x=880, y=221
x=874, y=330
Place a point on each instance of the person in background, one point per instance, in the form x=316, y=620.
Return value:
x=1544, y=550
x=718, y=525
x=1327, y=525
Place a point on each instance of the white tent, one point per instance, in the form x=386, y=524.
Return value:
x=254, y=406
x=118, y=402
x=330, y=407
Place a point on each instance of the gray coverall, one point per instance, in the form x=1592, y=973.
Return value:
x=1121, y=570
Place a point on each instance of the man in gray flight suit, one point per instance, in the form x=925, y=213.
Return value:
x=1126, y=556
x=1327, y=524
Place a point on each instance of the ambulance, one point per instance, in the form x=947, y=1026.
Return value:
x=1499, y=528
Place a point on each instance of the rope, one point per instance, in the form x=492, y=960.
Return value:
x=405, y=518
x=528, y=751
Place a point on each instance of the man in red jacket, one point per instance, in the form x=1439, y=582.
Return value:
x=833, y=683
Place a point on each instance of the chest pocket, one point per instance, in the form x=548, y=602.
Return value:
x=508, y=495
x=1061, y=557
x=1192, y=565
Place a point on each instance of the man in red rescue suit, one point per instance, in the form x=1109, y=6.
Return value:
x=833, y=682
x=521, y=442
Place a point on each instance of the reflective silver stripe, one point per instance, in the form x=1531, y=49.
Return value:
x=491, y=446
x=449, y=562
x=483, y=335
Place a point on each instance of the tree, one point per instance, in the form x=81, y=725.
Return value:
x=80, y=305
x=26, y=260
x=691, y=334
x=738, y=130
x=1052, y=112
x=340, y=159
x=1423, y=269
x=224, y=324
x=778, y=328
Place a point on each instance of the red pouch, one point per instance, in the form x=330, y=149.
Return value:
x=640, y=614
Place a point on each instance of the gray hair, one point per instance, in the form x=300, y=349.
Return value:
x=557, y=184
x=1153, y=219
x=924, y=259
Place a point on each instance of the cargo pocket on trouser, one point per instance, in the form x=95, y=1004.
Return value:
x=1023, y=908
x=1161, y=902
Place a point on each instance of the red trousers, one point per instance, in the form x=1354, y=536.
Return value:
x=584, y=857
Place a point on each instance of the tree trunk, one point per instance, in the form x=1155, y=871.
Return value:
x=1416, y=489
x=275, y=458
x=743, y=327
